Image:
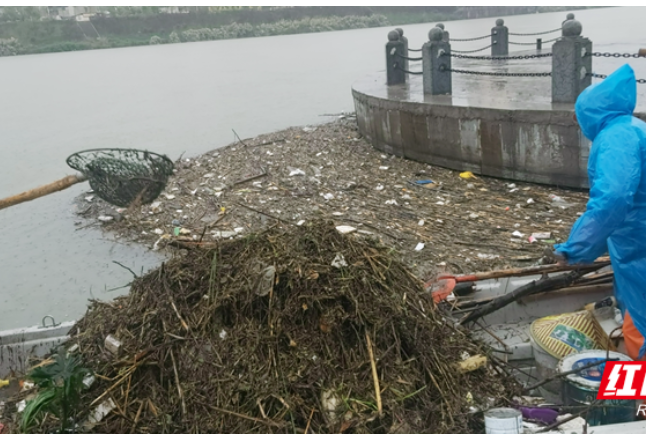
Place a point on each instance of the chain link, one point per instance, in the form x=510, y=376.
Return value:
x=511, y=57
x=602, y=76
x=473, y=72
x=472, y=51
x=597, y=75
x=409, y=58
x=471, y=39
x=536, y=33
x=615, y=55
x=414, y=50
x=408, y=71
x=534, y=43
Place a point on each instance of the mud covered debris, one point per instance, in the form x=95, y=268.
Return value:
x=266, y=334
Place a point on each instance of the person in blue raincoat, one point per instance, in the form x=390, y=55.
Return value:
x=615, y=216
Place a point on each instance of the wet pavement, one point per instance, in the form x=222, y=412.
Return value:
x=483, y=91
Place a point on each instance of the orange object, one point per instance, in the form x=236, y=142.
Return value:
x=632, y=338
x=633, y=341
x=440, y=289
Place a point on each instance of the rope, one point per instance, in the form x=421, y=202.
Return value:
x=471, y=39
x=536, y=33
x=472, y=51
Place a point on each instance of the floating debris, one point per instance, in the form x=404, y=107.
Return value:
x=341, y=177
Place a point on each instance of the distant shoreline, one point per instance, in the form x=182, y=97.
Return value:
x=101, y=32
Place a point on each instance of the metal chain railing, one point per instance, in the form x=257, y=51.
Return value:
x=408, y=71
x=414, y=50
x=474, y=72
x=602, y=76
x=536, y=33
x=510, y=57
x=472, y=51
x=471, y=39
x=615, y=55
x=534, y=43
x=597, y=75
x=409, y=58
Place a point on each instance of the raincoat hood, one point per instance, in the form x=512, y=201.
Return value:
x=602, y=102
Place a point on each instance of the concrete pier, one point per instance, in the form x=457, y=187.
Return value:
x=499, y=127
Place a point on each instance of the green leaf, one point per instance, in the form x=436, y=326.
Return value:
x=35, y=407
x=60, y=384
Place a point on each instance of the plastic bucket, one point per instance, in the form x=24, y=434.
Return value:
x=503, y=421
x=581, y=388
x=546, y=367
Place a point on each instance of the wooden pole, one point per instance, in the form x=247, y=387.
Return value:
x=41, y=191
x=534, y=287
x=531, y=270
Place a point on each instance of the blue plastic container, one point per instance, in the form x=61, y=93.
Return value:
x=581, y=388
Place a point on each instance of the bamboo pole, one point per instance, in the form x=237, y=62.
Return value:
x=41, y=191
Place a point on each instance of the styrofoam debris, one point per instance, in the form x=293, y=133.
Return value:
x=339, y=261
x=105, y=218
x=112, y=344
x=344, y=229
x=419, y=246
x=101, y=411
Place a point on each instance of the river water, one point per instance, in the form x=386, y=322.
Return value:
x=174, y=99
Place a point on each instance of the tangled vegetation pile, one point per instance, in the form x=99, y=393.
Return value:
x=286, y=331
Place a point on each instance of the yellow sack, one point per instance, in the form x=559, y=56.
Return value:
x=561, y=335
x=467, y=175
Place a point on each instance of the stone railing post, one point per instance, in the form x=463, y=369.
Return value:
x=445, y=34
x=436, y=64
x=404, y=40
x=571, y=63
x=539, y=44
x=500, y=39
x=568, y=17
x=394, y=61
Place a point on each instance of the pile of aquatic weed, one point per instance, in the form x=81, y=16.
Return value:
x=287, y=331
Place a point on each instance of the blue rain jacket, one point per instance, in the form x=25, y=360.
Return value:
x=615, y=216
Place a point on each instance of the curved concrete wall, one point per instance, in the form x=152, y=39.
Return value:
x=540, y=146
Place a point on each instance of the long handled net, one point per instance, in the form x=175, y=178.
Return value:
x=123, y=176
